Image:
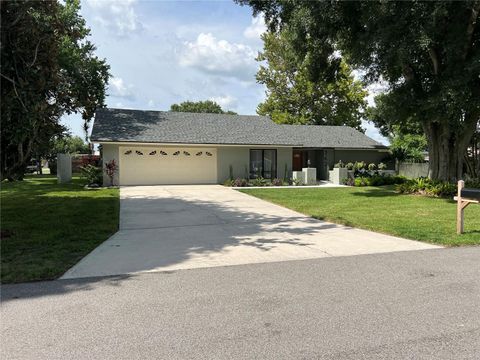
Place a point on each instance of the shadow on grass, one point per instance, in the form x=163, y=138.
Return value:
x=50, y=227
x=143, y=243
x=376, y=192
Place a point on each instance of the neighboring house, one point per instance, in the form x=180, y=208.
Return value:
x=161, y=147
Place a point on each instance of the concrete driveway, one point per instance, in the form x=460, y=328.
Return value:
x=183, y=227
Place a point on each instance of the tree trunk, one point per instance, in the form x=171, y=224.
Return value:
x=447, y=147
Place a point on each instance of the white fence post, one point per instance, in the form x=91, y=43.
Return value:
x=64, y=168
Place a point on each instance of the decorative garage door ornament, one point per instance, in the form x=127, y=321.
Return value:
x=153, y=152
x=138, y=152
x=163, y=152
x=199, y=153
x=176, y=153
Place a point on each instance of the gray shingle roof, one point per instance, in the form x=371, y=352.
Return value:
x=121, y=125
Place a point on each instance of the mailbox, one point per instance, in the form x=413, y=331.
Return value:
x=473, y=194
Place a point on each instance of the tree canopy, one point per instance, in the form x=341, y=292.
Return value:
x=49, y=69
x=294, y=98
x=207, y=106
x=70, y=145
x=408, y=147
x=427, y=52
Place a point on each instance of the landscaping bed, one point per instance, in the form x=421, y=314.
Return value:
x=381, y=209
x=48, y=227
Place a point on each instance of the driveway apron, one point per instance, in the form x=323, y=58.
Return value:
x=165, y=228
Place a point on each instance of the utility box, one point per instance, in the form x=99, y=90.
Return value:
x=64, y=168
x=310, y=175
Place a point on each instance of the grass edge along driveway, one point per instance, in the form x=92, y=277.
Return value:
x=48, y=227
x=382, y=210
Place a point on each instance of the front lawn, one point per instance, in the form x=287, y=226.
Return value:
x=381, y=209
x=47, y=227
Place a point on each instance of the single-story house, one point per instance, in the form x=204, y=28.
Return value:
x=163, y=147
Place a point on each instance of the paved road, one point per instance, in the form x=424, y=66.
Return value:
x=186, y=227
x=405, y=305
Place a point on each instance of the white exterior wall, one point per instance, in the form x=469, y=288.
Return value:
x=237, y=157
x=109, y=152
x=284, y=157
x=224, y=156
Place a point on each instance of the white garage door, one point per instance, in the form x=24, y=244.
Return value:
x=167, y=165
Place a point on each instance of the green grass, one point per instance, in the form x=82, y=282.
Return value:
x=47, y=227
x=381, y=209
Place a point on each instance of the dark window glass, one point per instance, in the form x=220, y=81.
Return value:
x=269, y=163
x=256, y=163
x=263, y=163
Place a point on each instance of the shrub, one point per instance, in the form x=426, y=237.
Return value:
x=350, y=166
x=425, y=186
x=340, y=164
x=382, y=166
x=92, y=174
x=228, y=182
x=372, y=167
x=473, y=183
x=52, y=165
x=378, y=180
x=259, y=181
x=277, y=182
x=296, y=182
x=240, y=182
x=348, y=181
x=359, y=165
x=361, y=181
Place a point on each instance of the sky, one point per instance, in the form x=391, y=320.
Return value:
x=166, y=52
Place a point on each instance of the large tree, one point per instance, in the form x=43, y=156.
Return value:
x=428, y=52
x=294, y=98
x=207, y=106
x=49, y=69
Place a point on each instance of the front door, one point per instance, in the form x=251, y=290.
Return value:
x=297, y=162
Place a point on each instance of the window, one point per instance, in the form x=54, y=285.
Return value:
x=263, y=162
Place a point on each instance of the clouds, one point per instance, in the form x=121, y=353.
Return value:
x=372, y=131
x=221, y=57
x=256, y=28
x=227, y=102
x=119, y=89
x=117, y=16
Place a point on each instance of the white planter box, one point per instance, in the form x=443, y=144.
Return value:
x=299, y=176
x=310, y=175
x=337, y=175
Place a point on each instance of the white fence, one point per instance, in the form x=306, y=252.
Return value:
x=413, y=170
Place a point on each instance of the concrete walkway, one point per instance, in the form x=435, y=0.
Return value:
x=184, y=227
